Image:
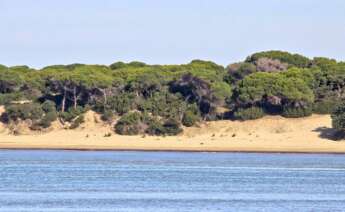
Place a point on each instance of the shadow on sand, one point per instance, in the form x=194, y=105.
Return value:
x=330, y=133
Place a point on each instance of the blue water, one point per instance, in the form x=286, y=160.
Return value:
x=161, y=181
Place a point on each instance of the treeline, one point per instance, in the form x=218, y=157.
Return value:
x=159, y=99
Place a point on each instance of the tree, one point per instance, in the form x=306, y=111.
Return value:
x=10, y=81
x=273, y=91
x=295, y=60
x=238, y=71
x=338, y=117
x=270, y=65
x=196, y=90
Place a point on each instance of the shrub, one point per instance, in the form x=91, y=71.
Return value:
x=49, y=106
x=32, y=111
x=172, y=127
x=249, y=113
x=121, y=104
x=72, y=113
x=338, y=117
x=135, y=123
x=155, y=128
x=107, y=116
x=129, y=124
x=76, y=123
x=325, y=106
x=296, y=112
x=189, y=118
x=48, y=119
x=7, y=98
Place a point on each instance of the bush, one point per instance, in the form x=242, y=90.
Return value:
x=49, y=106
x=121, y=104
x=325, y=106
x=32, y=111
x=135, y=123
x=155, y=128
x=107, y=116
x=189, y=118
x=249, y=113
x=129, y=124
x=296, y=112
x=7, y=98
x=338, y=117
x=48, y=119
x=172, y=127
x=76, y=123
x=72, y=113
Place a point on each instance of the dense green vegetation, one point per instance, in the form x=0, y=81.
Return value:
x=338, y=117
x=159, y=99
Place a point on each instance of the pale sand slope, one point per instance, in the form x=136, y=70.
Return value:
x=269, y=134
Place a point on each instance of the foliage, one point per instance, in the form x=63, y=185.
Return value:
x=47, y=119
x=134, y=123
x=72, y=113
x=285, y=57
x=172, y=127
x=77, y=121
x=261, y=87
x=163, y=104
x=49, y=106
x=121, y=103
x=196, y=90
x=118, y=65
x=107, y=116
x=249, y=113
x=31, y=111
x=221, y=90
x=238, y=71
x=325, y=106
x=129, y=124
x=276, y=82
x=296, y=112
x=190, y=118
x=155, y=127
x=338, y=117
x=270, y=65
x=7, y=98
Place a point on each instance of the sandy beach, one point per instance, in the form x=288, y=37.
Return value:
x=269, y=134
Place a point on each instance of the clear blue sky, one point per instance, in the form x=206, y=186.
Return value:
x=45, y=32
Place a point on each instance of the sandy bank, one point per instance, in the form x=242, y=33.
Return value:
x=270, y=134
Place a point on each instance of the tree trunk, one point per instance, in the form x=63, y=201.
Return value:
x=63, y=100
x=75, y=97
x=105, y=96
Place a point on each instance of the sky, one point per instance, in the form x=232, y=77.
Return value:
x=45, y=32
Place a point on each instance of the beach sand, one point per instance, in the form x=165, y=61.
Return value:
x=269, y=134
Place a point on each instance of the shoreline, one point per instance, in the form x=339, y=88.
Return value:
x=272, y=134
x=173, y=151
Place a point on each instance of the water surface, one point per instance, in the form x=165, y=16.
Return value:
x=167, y=181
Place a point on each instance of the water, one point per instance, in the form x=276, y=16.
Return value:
x=161, y=181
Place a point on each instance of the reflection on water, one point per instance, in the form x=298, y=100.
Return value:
x=162, y=181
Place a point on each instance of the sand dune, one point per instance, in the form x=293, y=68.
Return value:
x=269, y=134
